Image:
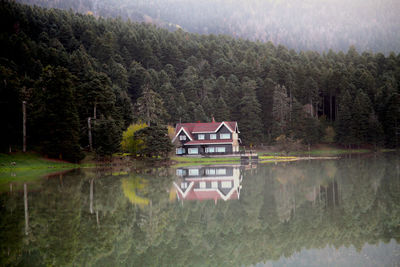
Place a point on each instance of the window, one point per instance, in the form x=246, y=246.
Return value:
x=193, y=172
x=182, y=137
x=210, y=149
x=221, y=149
x=193, y=150
x=224, y=136
x=226, y=184
x=221, y=171
x=214, y=184
x=200, y=137
x=180, y=172
x=210, y=171
x=180, y=151
x=202, y=184
x=213, y=136
x=184, y=185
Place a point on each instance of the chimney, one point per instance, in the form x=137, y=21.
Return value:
x=213, y=120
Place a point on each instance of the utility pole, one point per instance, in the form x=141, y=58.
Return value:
x=26, y=209
x=24, y=126
x=90, y=133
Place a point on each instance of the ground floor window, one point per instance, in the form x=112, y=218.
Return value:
x=193, y=172
x=210, y=149
x=180, y=151
x=193, y=150
x=180, y=172
x=220, y=149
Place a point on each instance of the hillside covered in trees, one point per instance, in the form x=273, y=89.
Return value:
x=297, y=24
x=69, y=67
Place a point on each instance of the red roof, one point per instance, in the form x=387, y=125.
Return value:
x=206, y=194
x=204, y=127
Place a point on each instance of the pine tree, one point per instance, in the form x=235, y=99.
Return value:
x=250, y=122
x=150, y=107
x=56, y=121
x=106, y=137
x=344, y=132
x=280, y=111
x=362, y=108
x=221, y=112
x=156, y=141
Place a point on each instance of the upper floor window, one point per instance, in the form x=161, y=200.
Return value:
x=182, y=137
x=213, y=136
x=224, y=136
x=200, y=136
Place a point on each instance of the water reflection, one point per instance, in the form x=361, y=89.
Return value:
x=211, y=182
x=281, y=214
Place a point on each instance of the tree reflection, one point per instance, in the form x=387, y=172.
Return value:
x=93, y=217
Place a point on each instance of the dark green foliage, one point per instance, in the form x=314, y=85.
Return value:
x=150, y=107
x=221, y=112
x=250, y=122
x=54, y=116
x=156, y=142
x=344, y=131
x=107, y=137
x=10, y=109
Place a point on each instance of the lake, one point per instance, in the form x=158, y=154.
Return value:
x=342, y=212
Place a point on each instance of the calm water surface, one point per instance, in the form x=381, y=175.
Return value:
x=342, y=212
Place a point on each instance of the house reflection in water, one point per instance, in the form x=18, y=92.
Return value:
x=214, y=182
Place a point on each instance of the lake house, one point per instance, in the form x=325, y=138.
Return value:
x=206, y=138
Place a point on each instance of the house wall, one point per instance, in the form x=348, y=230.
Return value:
x=228, y=148
x=223, y=129
x=203, y=173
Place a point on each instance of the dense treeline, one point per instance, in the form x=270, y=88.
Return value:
x=89, y=218
x=69, y=67
x=297, y=24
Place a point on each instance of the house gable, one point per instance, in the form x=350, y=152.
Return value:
x=182, y=131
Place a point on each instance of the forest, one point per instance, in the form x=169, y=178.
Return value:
x=297, y=24
x=69, y=67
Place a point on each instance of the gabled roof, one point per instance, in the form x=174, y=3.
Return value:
x=203, y=127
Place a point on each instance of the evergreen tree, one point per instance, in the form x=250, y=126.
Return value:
x=391, y=121
x=344, y=131
x=221, y=112
x=55, y=118
x=362, y=108
x=156, y=142
x=150, y=107
x=106, y=137
x=280, y=110
x=250, y=122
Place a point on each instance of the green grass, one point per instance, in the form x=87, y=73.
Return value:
x=29, y=161
x=320, y=152
x=28, y=167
